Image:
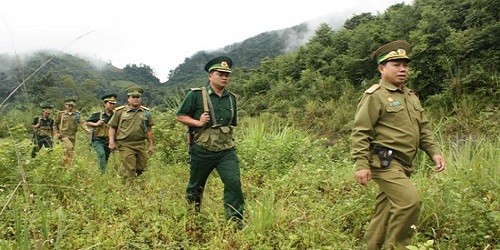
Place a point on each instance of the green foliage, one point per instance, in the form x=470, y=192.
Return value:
x=142, y=74
x=299, y=193
x=454, y=61
x=246, y=55
x=425, y=246
x=463, y=201
x=170, y=137
x=69, y=76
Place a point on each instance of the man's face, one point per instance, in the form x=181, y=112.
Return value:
x=134, y=100
x=69, y=107
x=218, y=78
x=109, y=105
x=395, y=71
x=46, y=113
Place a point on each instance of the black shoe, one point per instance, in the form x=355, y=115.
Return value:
x=138, y=172
x=238, y=223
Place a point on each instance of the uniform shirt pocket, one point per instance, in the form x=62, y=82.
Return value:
x=396, y=114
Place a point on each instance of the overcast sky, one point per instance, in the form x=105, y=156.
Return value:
x=159, y=33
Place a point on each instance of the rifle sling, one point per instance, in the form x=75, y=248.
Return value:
x=208, y=102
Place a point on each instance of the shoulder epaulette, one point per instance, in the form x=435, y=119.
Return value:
x=119, y=108
x=194, y=89
x=145, y=108
x=232, y=93
x=372, y=88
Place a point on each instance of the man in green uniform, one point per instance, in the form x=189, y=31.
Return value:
x=43, y=130
x=129, y=130
x=65, y=127
x=100, y=130
x=210, y=113
x=389, y=128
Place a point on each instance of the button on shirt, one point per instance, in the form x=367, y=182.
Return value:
x=391, y=117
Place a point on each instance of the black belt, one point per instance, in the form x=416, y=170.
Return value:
x=386, y=154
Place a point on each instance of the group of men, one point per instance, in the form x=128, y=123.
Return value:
x=389, y=128
x=209, y=112
x=127, y=126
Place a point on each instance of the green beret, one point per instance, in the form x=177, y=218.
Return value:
x=221, y=63
x=135, y=90
x=70, y=101
x=395, y=50
x=109, y=98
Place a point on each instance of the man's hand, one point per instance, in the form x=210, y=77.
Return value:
x=151, y=150
x=439, y=161
x=363, y=176
x=112, y=145
x=204, y=119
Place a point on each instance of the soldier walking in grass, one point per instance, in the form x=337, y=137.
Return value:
x=130, y=128
x=65, y=128
x=98, y=122
x=43, y=130
x=389, y=128
x=210, y=113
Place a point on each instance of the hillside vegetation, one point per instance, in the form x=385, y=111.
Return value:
x=296, y=113
x=299, y=195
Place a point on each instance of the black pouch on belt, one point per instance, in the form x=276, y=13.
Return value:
x=385, y=156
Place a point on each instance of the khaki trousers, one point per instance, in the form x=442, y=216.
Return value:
x=134, y=158
x=69, y=146
x=397, y=208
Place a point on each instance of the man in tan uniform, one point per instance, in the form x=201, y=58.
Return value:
x=129, y=129
x=43, y=130
x=65, y=128
x=389, y=128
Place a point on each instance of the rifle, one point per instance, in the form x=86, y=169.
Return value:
x=191, y=130
x=91, y=136
x=34, y=138
x=92, y=130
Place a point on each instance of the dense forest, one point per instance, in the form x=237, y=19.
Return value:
x=454, y=66
x=455, y=60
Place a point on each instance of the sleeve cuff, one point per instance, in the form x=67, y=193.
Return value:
x=361, y=164
x=434, y=151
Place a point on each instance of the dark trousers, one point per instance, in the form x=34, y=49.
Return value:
x=227, y=165
x=39, y=143
x=103, y=152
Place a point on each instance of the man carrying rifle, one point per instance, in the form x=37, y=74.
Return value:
x=65, y=127
x=213, y=145
x=42, y=129
x=98, y=122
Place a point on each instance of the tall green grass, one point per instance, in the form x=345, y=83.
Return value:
x=299, y=189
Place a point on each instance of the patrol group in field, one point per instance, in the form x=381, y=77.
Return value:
x=389, y=127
